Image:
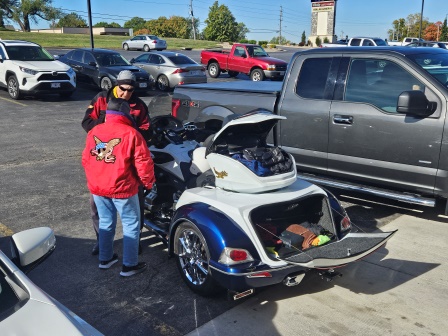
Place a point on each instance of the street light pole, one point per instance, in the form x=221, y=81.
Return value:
x=421, y=21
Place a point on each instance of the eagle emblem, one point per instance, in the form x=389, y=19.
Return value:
x=103, y=150
x=220, y=175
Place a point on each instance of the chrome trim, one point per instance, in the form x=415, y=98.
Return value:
x=258, y=271
x=395, y=195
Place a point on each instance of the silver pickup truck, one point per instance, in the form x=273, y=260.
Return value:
x=367, y=119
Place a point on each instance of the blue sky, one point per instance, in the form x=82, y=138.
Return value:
x=262, y=17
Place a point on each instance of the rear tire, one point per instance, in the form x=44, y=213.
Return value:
x=214, y=70
x=125, y=46
x=146, y=48
x=105, y=84
x=257, y=75
x=13, y=87
x=163, y=84
x=193, y=260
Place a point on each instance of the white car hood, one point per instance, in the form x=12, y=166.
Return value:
x=43, y=65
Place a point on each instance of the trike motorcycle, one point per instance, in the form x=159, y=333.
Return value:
x=234, y=215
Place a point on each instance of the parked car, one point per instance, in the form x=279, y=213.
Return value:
x=28, y=69
x=25, y=309
x=405, y=41
x=358, y=42
x=170, y=69
x=145, y=43
x=432, y=44
x=100, y=67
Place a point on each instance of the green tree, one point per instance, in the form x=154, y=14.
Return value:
x=242, y=30
x=444, y=33
x=221, y=24
x=72, y=20
x=303, y=40
x=318, y=41
x=2, y=23
x=279, y=40
x=25, y=11
x=135, y=23
x=107, y=25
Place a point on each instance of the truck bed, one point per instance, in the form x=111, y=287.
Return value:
x=220, y=99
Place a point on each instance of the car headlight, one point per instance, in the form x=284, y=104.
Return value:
x=29, y=71
x=70, y=71
x=271, y=67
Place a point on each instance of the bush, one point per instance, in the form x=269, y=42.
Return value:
x=252, y=42
x=318, y=41
x=263, y=43
x=326, y=40
x=271, y=46
x=244, y=41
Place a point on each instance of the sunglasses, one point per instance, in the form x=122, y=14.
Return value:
x=126, y=90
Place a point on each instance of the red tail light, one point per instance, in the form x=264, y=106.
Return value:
x=180, y=71
x=175, y=104
x=345, y=223
x=238, y=255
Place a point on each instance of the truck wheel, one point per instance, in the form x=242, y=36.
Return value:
x=233, y=73
x=146, y=47
x=163, y=84
x=193, y=260
x=214, y=70
x=13, y=87
x=105, y=83
x=125, y=46
x=257, y=75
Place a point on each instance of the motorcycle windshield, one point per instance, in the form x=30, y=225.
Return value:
x=352, y=247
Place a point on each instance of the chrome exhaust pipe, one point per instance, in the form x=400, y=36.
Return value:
x=293, y=280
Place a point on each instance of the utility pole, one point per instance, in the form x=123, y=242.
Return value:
x=192, y=19
x=421, y=21
x=281, y=18
x=90, y=24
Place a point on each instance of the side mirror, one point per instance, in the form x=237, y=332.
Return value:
x=1, y=59
x=132, y=60
x=415, y=103
x=92, y=63
x=30, y=247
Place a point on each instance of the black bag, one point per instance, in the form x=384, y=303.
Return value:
x=291, y=239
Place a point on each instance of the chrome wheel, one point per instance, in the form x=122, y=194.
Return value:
x=125, y=46
x=106, y=83
x=193, y=259
x=13, y=87
x=145, y=47
x=163, y=84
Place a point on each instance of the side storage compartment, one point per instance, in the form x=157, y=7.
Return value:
x=289, y=228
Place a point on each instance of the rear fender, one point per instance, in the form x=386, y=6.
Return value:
x=217, y=228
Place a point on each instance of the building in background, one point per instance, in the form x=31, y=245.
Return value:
x=323, y=19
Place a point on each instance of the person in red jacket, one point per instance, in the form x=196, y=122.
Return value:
x=116, y=160
x=96, y=112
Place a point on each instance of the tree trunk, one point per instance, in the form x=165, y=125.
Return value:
x=26, y=22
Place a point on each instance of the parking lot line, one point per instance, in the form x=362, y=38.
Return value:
x=5, y=231
x=13, y=101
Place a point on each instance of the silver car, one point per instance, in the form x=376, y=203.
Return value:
x=25, y=309
x=170, y=69
x=145, y=43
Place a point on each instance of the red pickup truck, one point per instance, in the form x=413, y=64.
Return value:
x=250, y=59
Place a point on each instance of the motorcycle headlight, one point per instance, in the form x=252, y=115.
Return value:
x=29, y=71
x=271, y=67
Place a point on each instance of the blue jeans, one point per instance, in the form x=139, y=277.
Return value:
x=129, y=211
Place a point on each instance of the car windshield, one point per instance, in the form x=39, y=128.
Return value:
x=28, y=53
x=109, y=59
x=181, y=59
x=435, y=64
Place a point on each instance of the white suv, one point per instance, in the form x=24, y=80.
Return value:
x=28, y=69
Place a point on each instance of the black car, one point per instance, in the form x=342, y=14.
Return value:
x=100, y=67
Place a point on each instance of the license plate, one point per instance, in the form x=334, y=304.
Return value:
x=143, y=85
x=194, y=72
x=55, y=85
